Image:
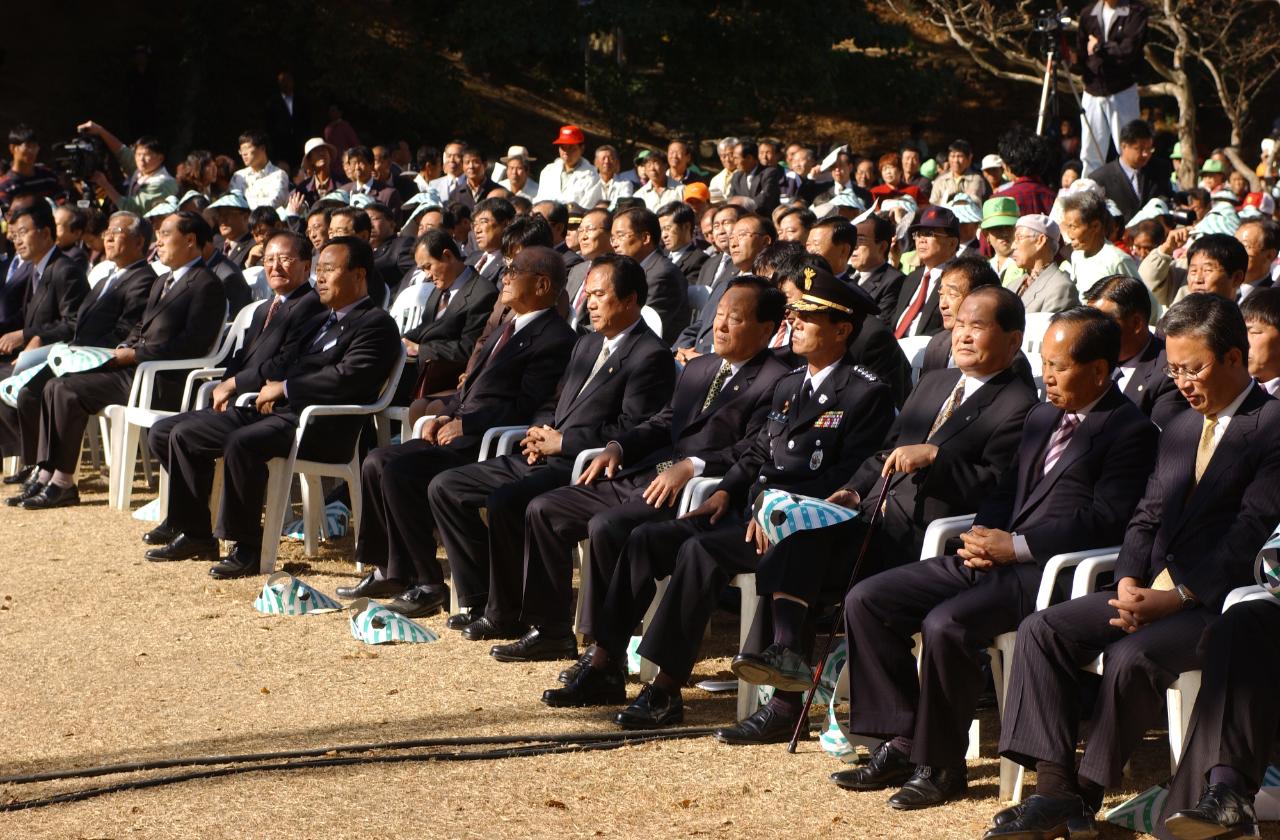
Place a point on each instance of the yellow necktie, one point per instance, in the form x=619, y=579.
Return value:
x=1204, y=451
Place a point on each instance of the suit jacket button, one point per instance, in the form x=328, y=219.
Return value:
x=893, y=492
x=1168, y=558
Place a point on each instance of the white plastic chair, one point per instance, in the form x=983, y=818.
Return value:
x=128, y=421
x=652, y=319
x=409, y=305
x=1037, y=371
x=913, y=347
x=255, y=277
x=280, y=472
x=1033, y=335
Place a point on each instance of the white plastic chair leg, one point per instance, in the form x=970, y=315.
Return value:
x=313, y=514
x=580, y=559
x=647, y=669
x=354, y=490
x=129, y=437
x=748, y=697
x=1011, y=773
x=11, y=465
x=1181, y=700
x=279, y=479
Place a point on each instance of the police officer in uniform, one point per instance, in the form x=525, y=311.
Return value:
x=827, y=418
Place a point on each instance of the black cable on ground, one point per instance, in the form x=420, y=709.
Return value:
x=602, y=741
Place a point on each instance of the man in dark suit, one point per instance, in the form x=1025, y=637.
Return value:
x=826, y=418
x=593, y=241
x=343, y=354
x=699, y=336
x=55, y=287
x=677, y=221
x=357, y=163
x=276, y=328
x=488, y=221
x=232, y=214
x=636, y=233
x=719, y=404
x=452, y=318
x=393, y=257
x=960, y=277
x=238, y=293
x=947, y=448
x=937, y=238
x=761, y=184
x=1127, y=179
x=15, y=273
x=619, y=374
x=106, y=317
x=475, y=183
x=1232, y=737
x=1140, y=373
x=1210, y=505
x=1080, y=469
x=1261, y=240
x=183, y=318
x=515, y=375
x=871, y=268
x=287, y=119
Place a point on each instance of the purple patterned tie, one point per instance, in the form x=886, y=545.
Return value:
x=1060, y=440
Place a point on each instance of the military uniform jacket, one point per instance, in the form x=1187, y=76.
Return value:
x=811, y=451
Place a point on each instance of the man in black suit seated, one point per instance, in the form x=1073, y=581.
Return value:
x=619, y=375
x=960, y=278
x=719, y=404
x=392, y=254
x=1079, y=471
x=275, y=330
x=55, y=287
x=761, y=184
x=342, y=354
x=735, y=256
x=357, y=163
x=636, y=233
x=936, y=234
x=233, y=283
x=107, y=315
x=1140, y=374
x=556, y=216
x=1127, y=180
x=475, y=182
x=452, y=318
x=183, y=318
x=677, y=221
x=871, y=268
x=826, y=418
x=515, y=375
x=488, y=222
x=954, y=438
x=1209, y=507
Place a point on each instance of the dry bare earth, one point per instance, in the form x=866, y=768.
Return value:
x=108, y=658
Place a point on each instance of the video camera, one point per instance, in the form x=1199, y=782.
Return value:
x=80, y=157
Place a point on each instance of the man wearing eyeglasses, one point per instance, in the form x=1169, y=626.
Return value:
x=1209, y=507
x=937, y=239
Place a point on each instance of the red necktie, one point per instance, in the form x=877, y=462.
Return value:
x=271, y=313
x=443, y=303
x=507, y=331
x=914, y=309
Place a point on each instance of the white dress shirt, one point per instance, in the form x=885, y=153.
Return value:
x=580, y=185
x=265, y=187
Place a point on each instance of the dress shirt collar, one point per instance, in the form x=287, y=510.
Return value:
x=612, y=343
x=816, y=379
x=346, y=310
x=973, y=383
x=44, y=262
x=1271, y=386
x=523, y=321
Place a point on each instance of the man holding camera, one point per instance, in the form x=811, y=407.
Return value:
x=1108, y=55
x=148, y=184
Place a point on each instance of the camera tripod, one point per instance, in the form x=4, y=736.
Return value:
x=1048, y=102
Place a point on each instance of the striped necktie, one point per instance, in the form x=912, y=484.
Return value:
x=1059, y=441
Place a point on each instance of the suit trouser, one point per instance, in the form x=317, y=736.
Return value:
x=397, y=524
x=67, y=404
x=1100, y=123
x=20, y=426
x=486, y=561
x=605, y=513
x=1042, y=709
x=958, y=612
x=1234, y=722
x=701, y=559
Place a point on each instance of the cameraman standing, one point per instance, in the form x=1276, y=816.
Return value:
x=1108, y=55
x=26, y=177
x=148, y=184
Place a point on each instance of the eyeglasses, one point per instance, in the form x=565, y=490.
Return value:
x=1185, y=373
x=277, y=259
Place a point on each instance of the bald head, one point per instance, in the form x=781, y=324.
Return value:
x=540, y=260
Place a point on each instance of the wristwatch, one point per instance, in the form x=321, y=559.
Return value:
x=1188, y=600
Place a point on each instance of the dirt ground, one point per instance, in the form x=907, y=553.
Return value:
x=109, y=658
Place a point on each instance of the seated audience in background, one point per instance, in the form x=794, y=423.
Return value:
x=1261, y=311
x=1044, y=287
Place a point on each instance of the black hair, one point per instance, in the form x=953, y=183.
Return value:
x=1010, y=313
x=150, y=143
x=1134, y=131
x=519, y=203
x=1099, y=335
x=763, y=222
x=627, y=276
x=749, y=148
x=681, y=214
x=462, y=211
x=1024, y=152
x=1270, y=232
x=255, y=137
x=1153, y=228
x=1127, y=293
x=976, y=270
x=961, y=146
x=773, y=255
x=39, y=213
x=771, y=303
x=361, y=152
x=525, y=231
x=557, y=215
x=264, y=215
x=501, y=209
x=78, y=217
x=842, y=231
x=425, y=155
x=437, y=242
x=473, y=151
x=1223, y=249
x=360, y=222
x=1262, y=305
x=194, y=223
x=1214, y=320
x=301, y=245
x=807, y=218
x=22, y=133
x=642, y=220
x=359, y=253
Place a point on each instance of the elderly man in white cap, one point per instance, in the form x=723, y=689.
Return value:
x=517, y=180
x=1044, y=287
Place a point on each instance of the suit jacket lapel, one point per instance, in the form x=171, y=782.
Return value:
x=611, y=364
x=822, y=397
x=734, y=386
x=971, y=407
x=1233, y=448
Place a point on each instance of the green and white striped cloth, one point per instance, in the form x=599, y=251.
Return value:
x=71, y=358
x=374, y=624
x=1266, y=568
x=11, y=385
x=284, y=594
x=781, y=514
x=1139, y=813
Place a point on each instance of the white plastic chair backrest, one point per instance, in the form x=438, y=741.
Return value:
x=698, y=296
x=913, y=347
x=100, y=272
x=652, y=319
x=580, y=463
x=255, y=277
x=1037, y=371
x=234, y=338
x=408, y=306
x=1033, y=335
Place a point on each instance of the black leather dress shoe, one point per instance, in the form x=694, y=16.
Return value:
x=370, y=587
x=653, y=709
x=420, y=601
x=162, y=534
x=766, y=725
x=568, y=674
x=28, y=489
x=241, y=562
x=590, y=687
x=538, y=645
x=887, y=768
x=53, y=496
x=1046, y=818
x=484, y=628
x=930, y=786
x=1221, y=812
x=184, y=548
x=459, y=620
x=22, y=476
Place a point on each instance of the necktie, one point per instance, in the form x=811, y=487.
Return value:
x=35, y=282
x=725, y=264
x=1027, y=281
x=324, y=329
x=505, y=336
x=227, y=245
x=579, y=299
x=904, y=324
x=483, y=263
x=595, y=368
x=271, y=312
x=722, y=376
x=948, y=408
x=1204, y=451
x=806, y=393
x=168, y=284
x=106, y=284
x=444, y=302
x=1059, y=441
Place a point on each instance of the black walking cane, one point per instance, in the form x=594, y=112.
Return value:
x=839, y=626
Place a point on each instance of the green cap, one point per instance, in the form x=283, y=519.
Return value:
x=929, y=169
x=1212, y=166
x=1176, y=154
x=1001, y=211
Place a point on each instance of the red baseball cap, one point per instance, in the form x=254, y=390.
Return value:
x=570, y=135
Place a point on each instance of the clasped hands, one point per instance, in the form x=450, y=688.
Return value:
x=540, y=442
x=1137, y=606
